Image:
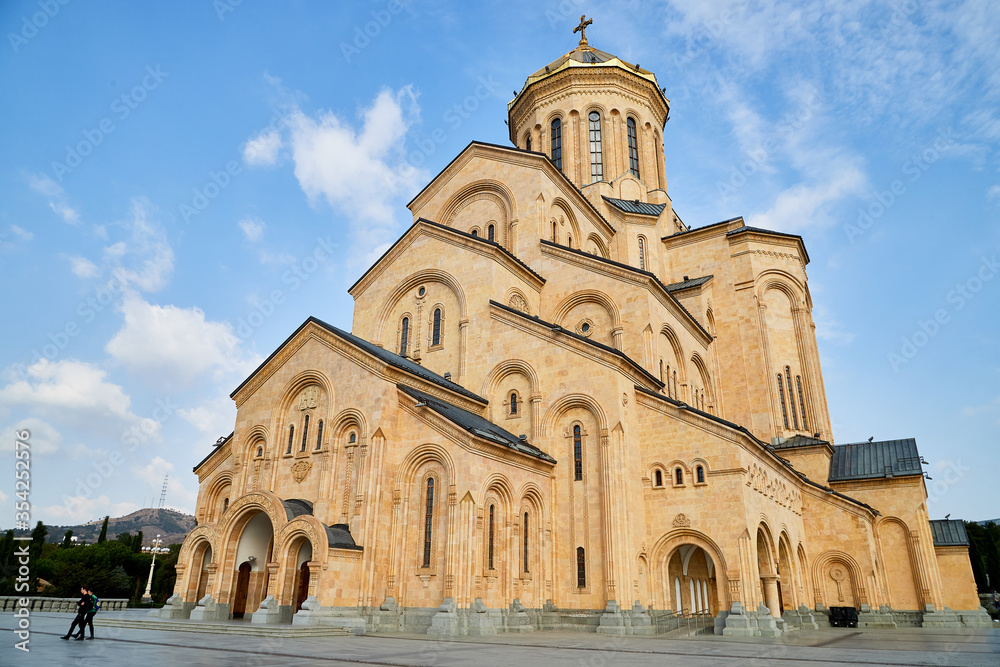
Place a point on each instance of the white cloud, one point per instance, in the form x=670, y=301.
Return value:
x=146, y=259
x=806, y=205
x=80, y=509
x=828, y=328
x=252, y=228
x=167, y=343
x=44, y=439
x=21, y=233
x=83, y=267
x=178, y=495
x=76, y=392
x=263, y=149
x=993, y=193
x=45, y=186
x=65, y=212
x=213, y=419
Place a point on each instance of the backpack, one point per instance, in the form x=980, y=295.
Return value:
x=96, y=603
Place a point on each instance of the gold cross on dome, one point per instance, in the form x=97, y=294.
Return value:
x=582, y=29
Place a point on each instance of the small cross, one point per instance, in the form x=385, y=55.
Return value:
x=582, y=29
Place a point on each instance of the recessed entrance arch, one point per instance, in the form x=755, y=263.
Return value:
x=688, y=574
x=242, y=591
x=253, y=552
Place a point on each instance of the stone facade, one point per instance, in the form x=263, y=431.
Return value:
x=560, y=407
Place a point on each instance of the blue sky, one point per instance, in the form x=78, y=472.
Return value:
x=182, y=184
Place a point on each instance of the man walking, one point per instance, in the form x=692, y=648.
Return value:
x=95, y=604
x=85, y=604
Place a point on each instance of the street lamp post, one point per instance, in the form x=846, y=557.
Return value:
x=152, y=549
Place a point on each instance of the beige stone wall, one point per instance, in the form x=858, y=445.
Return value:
x=956, y=577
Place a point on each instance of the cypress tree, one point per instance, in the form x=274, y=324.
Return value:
x=104, y=531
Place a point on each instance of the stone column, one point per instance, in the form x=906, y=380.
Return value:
x=463, y=347
x=771, y=594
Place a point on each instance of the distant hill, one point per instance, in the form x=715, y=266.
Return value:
x=171, y=525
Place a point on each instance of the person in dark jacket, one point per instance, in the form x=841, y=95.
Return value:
x=84, y=606
x=89, y=620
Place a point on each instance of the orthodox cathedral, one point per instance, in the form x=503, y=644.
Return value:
x=560, y=407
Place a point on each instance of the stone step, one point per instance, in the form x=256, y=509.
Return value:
x=282, y=631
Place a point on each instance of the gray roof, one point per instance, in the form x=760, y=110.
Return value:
x=798, y=441
x=873, y=460
x=949, y=533
x=297, y=507
x=636, y=206
x=688, y=282
x=476, y=425
x=338, y=536
x=391, y=358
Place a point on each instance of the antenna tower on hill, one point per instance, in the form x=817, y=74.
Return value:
x=163, y=493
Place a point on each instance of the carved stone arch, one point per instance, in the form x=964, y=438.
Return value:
x=290, y=392
x=499, y=485
x=349, y=419
x=252, y=438
x=530, y=493
x=833, y=556
x=245, y=507
x=425, y=453
x=509, y=367
x=599, y=245
x=200, y=533
x=892, y=568
x=216, y=489
x=569, y=402
x=515, y=299
x=705, y=377
x=588, y=296
x=304, y=525
x=675, y=344
x=488, y=190
x=188, y=575
x=664, y=548
x=710, y=321
x=764, y=531
x=567, y=211
x=411, y=282
x=782, y=281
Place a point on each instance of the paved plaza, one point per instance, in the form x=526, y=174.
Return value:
x=828, y=646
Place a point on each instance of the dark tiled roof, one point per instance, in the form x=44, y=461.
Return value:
x=296, y=507
x=949, y=533
x=761, y=230
x=799, y=441
x=215, y=448
x=338, y=536
x=636, y=206
x=476, y=425
x=873, y=460
x=698, y=229
x=388, y=357
x=582, y=339
x=685, y=284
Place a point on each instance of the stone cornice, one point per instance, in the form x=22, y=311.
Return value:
x=635, y=277
x=214, y=460
x=471, y=443
x=800, y=255
x=876, y=483
x=614, y=359
x=434, y=230
x=517, y=157
x=702, y=233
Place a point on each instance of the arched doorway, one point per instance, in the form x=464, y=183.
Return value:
x=242, y=591
x=302, y=553
x=768, y=572
x=203, y=559
x=302, y=591
x=688, y=581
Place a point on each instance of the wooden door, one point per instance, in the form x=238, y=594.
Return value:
x=303, y=591
x=242, y=589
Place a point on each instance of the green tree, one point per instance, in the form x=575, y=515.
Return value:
x=67, y=541
x=104, y=531
x=137, y=543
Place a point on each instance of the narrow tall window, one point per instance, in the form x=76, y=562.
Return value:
x=678, y=477
x=791, y=397
x=642, y=253
x=781, y=399
x=675, y=384
x=428, y=522
x=554, y=239
x=577, y=453
x=225, y=504
x=596, y=159
x=491, y=233
x=661, y=370
x=436, y=330
x=291, y=437
x=475, y=233
x=659, y=478
x=527, y=142
x=352, y=439
x=489, y=557
x=701, y=475
x=513, y=402
x=404, y=337
x=526, y=568
x=633, y=148
x=581, y=568
x=305, y=433
x=557, y=143
x=802, y=402
x=319, y=435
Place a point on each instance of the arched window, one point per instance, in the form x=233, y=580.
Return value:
x=675, y=384
x=526, y=568
x=319, y=435
x=781, y=399
x=581, y=568
x=491, y=232
x=802, y=402
x=436, y=328
x=596, y=159
x=642, y=253
x=404, y=336
x=678, y=477
x=513, y=403
x=291, y=437
x=791, y=397
x=475, y=233
x=489, y=538
x=577, y=453
x=633, y=148
x=569, y=241
x=527, y=142
x=353, y=438
x=700, y=472
x=659, y=478
x=661, y=370
x=555, y=238
x=557, y=143
x=260, y=452
x=225, y=504
x=305, y=433
x=428, y=521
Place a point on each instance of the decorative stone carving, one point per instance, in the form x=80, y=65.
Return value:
x=309, y=398
x=301, y=470
x=681, y=521
x=517, y=302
